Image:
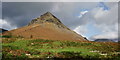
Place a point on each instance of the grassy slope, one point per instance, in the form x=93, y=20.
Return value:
x=39, y=48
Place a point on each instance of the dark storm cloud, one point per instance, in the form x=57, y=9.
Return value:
x=19, y=14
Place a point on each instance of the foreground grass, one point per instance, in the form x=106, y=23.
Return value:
x=39, y=48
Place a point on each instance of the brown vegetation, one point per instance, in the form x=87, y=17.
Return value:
x=46, y=27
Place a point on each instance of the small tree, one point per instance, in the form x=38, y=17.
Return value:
x=31, y=36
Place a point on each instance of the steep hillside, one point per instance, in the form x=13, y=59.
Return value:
x=47, y=26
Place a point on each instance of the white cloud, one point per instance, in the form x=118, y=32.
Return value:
x=6, y=25
x=102, y=16
x=81, y=30
x=82, y=13
x=106, y=21
x=100, y=13
x=108, y=35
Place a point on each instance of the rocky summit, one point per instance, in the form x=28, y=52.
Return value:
x=49, y=18
x=46, y=26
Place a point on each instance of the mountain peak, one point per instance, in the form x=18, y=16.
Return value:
x=49, y=18
x=48, y=13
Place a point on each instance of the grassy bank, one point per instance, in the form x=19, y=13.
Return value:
x=39, y=48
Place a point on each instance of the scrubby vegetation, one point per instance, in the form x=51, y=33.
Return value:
x=5, y=36
x=39, y=48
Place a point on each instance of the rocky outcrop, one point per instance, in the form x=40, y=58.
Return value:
x=48, y=17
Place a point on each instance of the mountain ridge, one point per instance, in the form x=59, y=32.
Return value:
x=105, y=40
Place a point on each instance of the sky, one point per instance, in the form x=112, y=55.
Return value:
x=60, y=0
x=94, y=20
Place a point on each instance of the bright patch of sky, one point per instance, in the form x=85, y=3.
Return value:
x=92, y=30
x=89, y=29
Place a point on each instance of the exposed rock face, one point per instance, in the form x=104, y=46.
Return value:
x=47, y=26
x=48, y=17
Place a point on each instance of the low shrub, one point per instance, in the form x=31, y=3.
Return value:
x=6, y=36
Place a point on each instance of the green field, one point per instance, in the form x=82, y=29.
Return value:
x=39, y=48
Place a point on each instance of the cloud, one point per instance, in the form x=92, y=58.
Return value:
x=20, y=14
x=104, y=18
x=106, y=21
x=108, y=35
x=6, y=25
x=81, y=30
x=82, y=13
